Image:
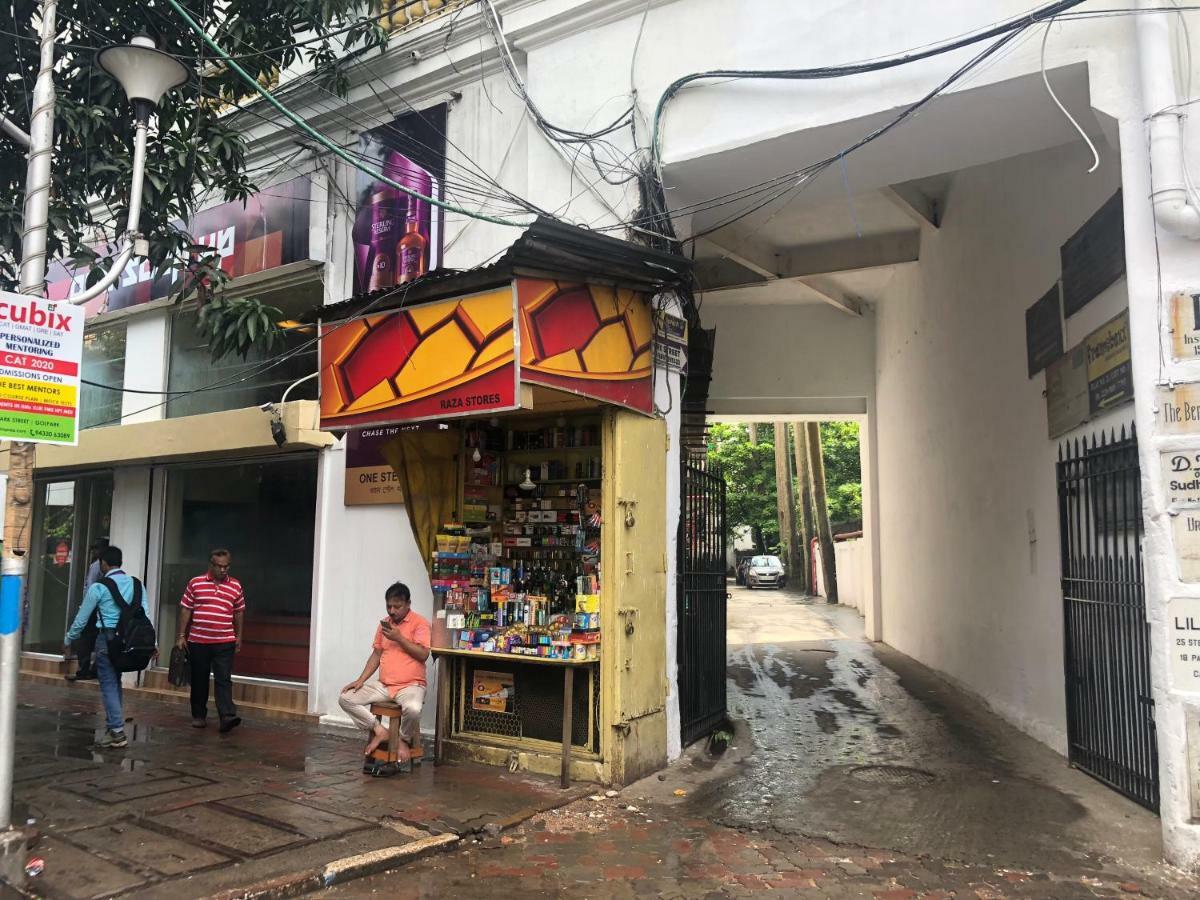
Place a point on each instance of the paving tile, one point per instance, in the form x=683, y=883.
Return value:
x=149, y=849
x=213, y=826
x=73, y=872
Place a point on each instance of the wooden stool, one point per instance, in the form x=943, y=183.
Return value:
x=391, y=711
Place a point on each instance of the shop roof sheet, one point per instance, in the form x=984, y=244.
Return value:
x=548, y=248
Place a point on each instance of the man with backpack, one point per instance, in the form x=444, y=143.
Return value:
x=124, y=631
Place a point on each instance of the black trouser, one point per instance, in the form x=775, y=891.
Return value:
x=84, y=646
x=217, y=658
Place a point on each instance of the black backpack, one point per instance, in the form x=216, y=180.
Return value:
x=133, y=643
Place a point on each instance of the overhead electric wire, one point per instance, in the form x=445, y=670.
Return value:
x=322, y=139
x=821, y=72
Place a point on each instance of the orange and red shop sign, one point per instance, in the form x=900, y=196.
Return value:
x=467, y=355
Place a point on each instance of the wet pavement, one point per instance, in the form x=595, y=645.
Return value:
x=857, y=773
x=875, y=749
x=183, y=812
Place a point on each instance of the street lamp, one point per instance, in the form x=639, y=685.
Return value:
x=145, y=73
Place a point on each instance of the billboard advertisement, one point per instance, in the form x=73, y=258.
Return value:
x=41, y=349
x=446, y=359
x=268, y=230
x=588, y=339
x=398, y=237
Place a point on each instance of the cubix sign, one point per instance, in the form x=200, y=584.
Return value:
x=41, y=350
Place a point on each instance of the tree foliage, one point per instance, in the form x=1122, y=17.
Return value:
x=843, y=477
x=195, y=153
x=749, y=479
x=749, y=471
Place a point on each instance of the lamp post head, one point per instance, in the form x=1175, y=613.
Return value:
x=145, y=72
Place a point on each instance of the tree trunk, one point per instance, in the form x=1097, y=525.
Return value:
x=753, y=426
x=817, y=464
x=804, y=512
x=783, y=495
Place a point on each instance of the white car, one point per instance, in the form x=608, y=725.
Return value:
x=765, y=571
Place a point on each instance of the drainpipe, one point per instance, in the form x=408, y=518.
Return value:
x=1172, y=206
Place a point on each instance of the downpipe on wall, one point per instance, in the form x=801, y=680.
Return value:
x=1173, y=207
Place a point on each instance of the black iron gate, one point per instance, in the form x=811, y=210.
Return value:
x=1110, y=708
x=701, y=602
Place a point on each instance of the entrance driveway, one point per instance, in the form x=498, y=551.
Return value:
x=858, y=743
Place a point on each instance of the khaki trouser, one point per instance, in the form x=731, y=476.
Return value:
x=357, y=705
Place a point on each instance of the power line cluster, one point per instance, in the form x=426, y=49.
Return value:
x=468, y=183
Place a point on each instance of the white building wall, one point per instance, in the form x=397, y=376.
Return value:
x=965, y=464
x=360, y=550
x=786, y=359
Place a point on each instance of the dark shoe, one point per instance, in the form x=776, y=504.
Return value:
x=227, y=725
x=369, y=764
x=113, y=740
x=199, y=723
x=384, y=770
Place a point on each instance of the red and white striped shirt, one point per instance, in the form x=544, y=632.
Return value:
x=213, y=605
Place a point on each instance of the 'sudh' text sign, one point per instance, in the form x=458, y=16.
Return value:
x=41, y=352
x=1181, y=475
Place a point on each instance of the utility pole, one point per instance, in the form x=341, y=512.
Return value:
x=817, y=464
x=783, y=496
x=804, y=516
x=15, y=563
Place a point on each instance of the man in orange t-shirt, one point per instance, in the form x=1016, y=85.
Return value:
x=400, y=651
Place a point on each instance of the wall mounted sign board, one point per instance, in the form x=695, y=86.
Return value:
x=1181, y=477
x=1067, y=391
x=1192, y=719
x=1110, y=371
x=1185, y=325
x=1183, y=618
x=369, y=478
x=265, y=231
x=1177, y=410
x=1094, y=256
x=1043, y=331
x=1186, y=528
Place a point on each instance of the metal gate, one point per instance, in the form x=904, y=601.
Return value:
x=1110, y=708
x=701, y=601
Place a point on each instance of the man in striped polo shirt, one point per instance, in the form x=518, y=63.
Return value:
x=210, y=628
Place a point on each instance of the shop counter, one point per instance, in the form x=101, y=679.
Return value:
x=445, y=697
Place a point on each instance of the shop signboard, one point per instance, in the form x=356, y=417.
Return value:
x=492, y=692
x=1110, y=372
x=1067, y=391
x=441, y=360
x=268, y=230
x=369, y=478
x=42, y=346
x=397, y=236
x=587, y=339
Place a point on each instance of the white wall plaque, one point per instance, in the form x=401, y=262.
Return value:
x=1183, y=619
x=1181, y=477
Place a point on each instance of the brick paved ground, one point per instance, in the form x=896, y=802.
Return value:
x=603, y=850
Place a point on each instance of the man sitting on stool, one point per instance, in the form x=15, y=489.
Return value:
x=401, y=649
